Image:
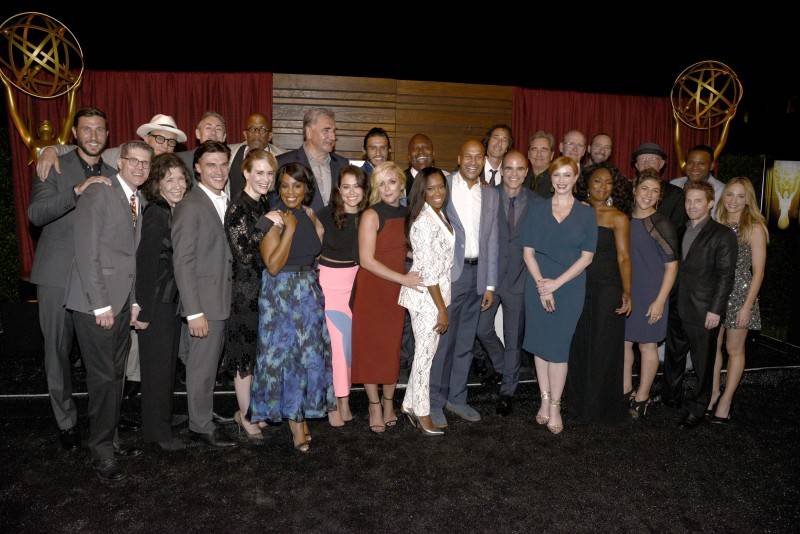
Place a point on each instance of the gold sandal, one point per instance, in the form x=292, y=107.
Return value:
x=543, y=419
x=555, y=429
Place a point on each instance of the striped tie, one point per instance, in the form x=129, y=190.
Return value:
x=133, y=208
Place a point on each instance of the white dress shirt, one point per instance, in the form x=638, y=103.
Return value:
x=467, y=201
x=487, y=172
x=220, y=201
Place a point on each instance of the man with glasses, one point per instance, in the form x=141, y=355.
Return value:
x=257, y=136
x=573, y=145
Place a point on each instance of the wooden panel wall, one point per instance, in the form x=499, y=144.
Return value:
x=449, y=113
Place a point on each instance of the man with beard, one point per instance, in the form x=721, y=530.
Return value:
x=377, y=150
x=52, y=208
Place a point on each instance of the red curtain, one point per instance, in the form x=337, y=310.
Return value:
x=130, y=99
x=629, y=120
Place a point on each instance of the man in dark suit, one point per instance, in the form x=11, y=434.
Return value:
x=540, y=153
x=317, y=153
x=705, y=280
x=651, y=156
x=511, y=273
x=203, y=271
x=52, y=208
x=101, y=294
x=472, y=209
x=257, y=135
x=420, y=155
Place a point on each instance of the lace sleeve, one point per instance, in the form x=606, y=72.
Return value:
x=243, y=237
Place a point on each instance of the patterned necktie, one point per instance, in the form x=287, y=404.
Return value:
x=511, y=214
x=494, y=172
x=133, y=208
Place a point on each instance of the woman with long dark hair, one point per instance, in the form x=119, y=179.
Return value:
x=431, y=238
x=338, y=265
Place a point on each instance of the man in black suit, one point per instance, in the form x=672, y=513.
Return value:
x=511, y=273
x=257, y=135
x=101, y=295
x=317, y=153
x=705, y=280
x=420, y=155
x=52, y=208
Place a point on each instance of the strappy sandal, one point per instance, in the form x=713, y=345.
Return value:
x=555, y=429
x=377, y=429
x=391, y=422
x=543, y=419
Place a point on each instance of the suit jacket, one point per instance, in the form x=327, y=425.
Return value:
x=110, y=156
x=104, y=267
x=52, y=207
x=705, y=277
x=511, y=269
x=337, y=164
x=432, y=244
x=487, y=240
x=187, y=157
x=672, y=205
x=409, y=180
x=201, y=257
x=236, y=181
x=155, y=277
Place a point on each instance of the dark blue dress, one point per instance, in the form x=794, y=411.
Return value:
x=557, y=246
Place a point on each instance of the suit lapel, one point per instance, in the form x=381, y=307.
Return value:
x=698, y=241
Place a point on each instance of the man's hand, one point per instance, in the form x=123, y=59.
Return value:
x=198, y=327
x=81, y=187
x=47, y=160
x=487, y=300
x=105, y=320
x=712, y=320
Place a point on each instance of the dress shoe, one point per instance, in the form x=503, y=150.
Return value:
x=214, y=439
x=70, y=439
x=173, y=444
x=438, y=418
x=121, y=451
x=503, y=405
x=690, y=421
x=464, y=411
x=131, y=423
x=179, y=419
x=221, y=418
x=492, y=379
x=108, y=469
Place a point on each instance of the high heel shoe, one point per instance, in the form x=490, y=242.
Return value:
x=638, y=409
x=710, y=411
x=255, y=437
x=555, y=429
x=391, y=422
x=377, y=429
x=543, y=419
x=303, y=446
x=410, y=415
x=430, y=431
x=722, y=420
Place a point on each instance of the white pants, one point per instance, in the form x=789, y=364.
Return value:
x=417, y=398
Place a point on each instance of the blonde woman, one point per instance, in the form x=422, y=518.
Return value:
x=738, y=209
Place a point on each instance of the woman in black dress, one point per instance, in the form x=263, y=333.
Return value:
x=158, y=322
x=244, y=237
x=596, y=354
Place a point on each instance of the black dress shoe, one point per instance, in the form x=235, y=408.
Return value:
x=108, y=470
x=690, y=421
x=214, y=439
x=122, y=451
x=129, y=423
x=70, y=439
x=173, y=444
x=504, y=405
x=492, y=379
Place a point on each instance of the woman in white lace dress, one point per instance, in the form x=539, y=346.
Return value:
x=432, y=240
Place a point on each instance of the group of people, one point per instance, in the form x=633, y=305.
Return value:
x=308, y=270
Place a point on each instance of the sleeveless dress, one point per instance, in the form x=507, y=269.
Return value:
x=741, y=285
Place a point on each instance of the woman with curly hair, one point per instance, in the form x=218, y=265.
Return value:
x=597, y=350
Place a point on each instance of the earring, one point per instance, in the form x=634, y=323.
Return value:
x=610, y=202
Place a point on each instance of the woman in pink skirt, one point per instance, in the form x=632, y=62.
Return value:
x=338, y=265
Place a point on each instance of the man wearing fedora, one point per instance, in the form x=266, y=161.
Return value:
x=651, y=156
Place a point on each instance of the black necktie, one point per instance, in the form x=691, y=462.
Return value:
x=511, y=202
x=491, y=180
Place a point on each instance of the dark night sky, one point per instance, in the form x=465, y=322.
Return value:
x=640, y=53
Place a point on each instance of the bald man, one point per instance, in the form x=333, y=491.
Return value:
x=472, y=208
x=257, y=136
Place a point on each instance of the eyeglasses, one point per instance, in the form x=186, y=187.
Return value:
x=263, y=130
x=574, y=145
x=160, y=139
x=137, y=162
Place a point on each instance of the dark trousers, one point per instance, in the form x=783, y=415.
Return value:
x=505, y=356
x=683, y=337
x=450, y=369
x=104, y=354
x=57, y=330
x=158, y=352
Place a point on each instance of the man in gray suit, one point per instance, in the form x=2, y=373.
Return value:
x=472, y=208
x=514, y=202
x=203, y=271
x=52, y=208
x=100, y=294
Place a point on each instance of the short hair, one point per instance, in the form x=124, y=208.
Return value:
x=703, y=148
x=541, y=134
x=299, y=173
x=210, y=147
x=378, y=172
x=704, y=186
x=253, y=155
x=159, y=168
x=214, y=114
x=126, y=148
x=311, y=116
x=490, y=131
x=88, y=112
x=563, y=161
x=377, y=132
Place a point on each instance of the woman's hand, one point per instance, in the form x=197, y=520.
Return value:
x=413, y=280
x=442, y=322
x=625, y=308
x=275, y=217
x=546, y=286
x=655, y=312
x=743, y=317
x=548, y=303
x=289, y=220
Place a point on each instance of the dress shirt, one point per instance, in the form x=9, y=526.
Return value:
x=488, y=170
x=220, y=201
x=692, y=231
x=467, y=201
x=322, y=172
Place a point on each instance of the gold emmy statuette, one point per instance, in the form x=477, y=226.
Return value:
x=786, y=182
x=705, y=96
x=44, y=60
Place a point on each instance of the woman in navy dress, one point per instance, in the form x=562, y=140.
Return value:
x=292, y=375
x=654, y=259
x=559, y=239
